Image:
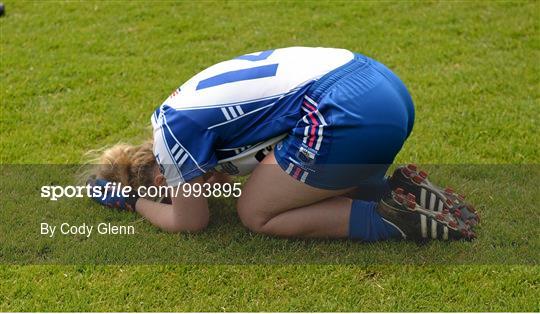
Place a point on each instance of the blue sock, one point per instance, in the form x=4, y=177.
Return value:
x=373, y=191
x=367, y=225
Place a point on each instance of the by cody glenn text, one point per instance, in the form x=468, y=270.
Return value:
x=84, y=229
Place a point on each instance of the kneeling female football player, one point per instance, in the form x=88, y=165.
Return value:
x=337, y=120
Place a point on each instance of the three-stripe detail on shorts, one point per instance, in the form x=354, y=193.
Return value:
x=313, y=134
x=315, y=123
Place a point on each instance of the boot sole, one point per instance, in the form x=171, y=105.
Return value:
x=436, y=198
x=430, y=220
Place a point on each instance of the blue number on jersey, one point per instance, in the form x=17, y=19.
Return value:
x=261, y=56
x=244, y=74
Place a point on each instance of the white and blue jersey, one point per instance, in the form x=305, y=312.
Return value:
x=236, y=103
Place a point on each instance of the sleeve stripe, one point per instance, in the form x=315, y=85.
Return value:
x=179, y=154
x=181, y=162
x=170, y=154
x=226, y=113
x=178, y=142
x=234, y=119
x=233, y=113
x=175, y=148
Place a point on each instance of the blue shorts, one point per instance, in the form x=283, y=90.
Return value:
x=355, y=120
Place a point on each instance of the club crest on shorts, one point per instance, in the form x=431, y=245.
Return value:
x=306, y=155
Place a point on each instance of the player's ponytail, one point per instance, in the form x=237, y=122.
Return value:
x=127, y=164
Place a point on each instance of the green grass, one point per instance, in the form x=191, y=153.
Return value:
x=279, y=288
x=79, y=76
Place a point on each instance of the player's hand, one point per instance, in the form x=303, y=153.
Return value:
x=109, y=198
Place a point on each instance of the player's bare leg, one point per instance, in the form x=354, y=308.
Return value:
x=273, y=202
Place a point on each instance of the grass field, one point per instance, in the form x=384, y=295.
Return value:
x=76, y=76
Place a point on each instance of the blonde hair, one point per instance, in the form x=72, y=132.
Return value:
x=127, y=164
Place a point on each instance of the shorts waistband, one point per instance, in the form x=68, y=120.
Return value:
x=317, y=89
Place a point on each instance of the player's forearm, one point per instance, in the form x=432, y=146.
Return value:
x=167, y=218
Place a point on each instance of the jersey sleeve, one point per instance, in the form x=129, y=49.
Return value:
x=183, y=148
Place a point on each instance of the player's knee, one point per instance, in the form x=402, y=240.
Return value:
x=250, y=216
